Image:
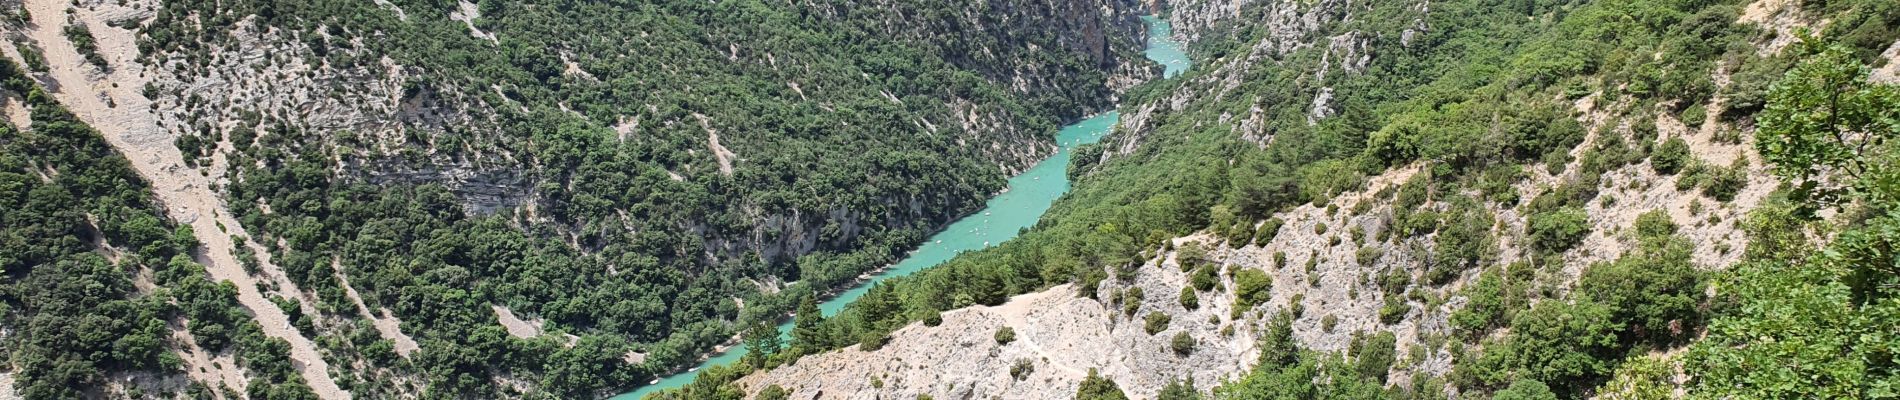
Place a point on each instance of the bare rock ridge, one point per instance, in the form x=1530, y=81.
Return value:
x=110, y=102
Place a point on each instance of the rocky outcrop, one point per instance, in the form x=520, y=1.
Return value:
x=1058, y=335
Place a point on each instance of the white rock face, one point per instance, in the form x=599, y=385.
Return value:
x=1062, y=336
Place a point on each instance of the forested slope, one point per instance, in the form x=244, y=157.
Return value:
x=560, y=199
x=1510, y=199
x=102, y=296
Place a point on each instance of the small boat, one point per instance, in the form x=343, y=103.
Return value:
x=986, y=244
x=654, y=382
x=986, y=213
x=693, y=369
x=939, y=240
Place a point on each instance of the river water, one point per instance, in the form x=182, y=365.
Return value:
x=1028, y=196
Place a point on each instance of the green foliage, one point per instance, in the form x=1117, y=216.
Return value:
x=1654, y=224
x=1670, y=156
x=1573, y=345
x=1022, y=368
x=1641, y=378
x=1189, y=299
x=74, y=316
x=1525, y=389
x=1558, y=230
x=1655, y=291
x=773, y=392
x=1096, y=387
x=1374, y=355
x=1252, y=287
x=1820, y=119
x=1182, y=344
x=1156, y=322
x=1493, y=300
x=88, y=46
x=1005, y=335
x=1179, y=390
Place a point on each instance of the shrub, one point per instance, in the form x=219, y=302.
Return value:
x=1369, y=255
x=1005, y=335
x=1571, y=344
x=1131, y=300
x=1491, y=301
x=1724, y=183
x=1156, y=322
x=774, y=392
x=1183, y=344
x=1188, y=299
x=1268, y=230
x=1394, y=310
x=1096, y=387
x=1252, y=288
x=1655, y=223
x=1190, y=255
x=1525, y=389
x=1671, y=156
x=1376, y=355
x=1558, y=230
x=1204, y=278
x=1653, y=292
x=1022, y=369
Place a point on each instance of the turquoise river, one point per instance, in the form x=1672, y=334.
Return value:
x=1019, y=206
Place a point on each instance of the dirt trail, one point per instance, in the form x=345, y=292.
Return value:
x=386, y=322
x=111, y=103
x=723, y=155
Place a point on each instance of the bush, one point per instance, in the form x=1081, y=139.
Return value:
x=1558, y=230
x=1131, y=300
x=1189, y=300
x=774, y=392
x=1655, y=223
x=1183, y=344
x=1369, y=255
x=1204, y=278
x=1022, y=369
x=1525, y=389
x=1571, y=344
x=1724, y=183
x=1190, y=255
x=1252, y=288
x=1268, y=230
x=1095, y=387
x=1670, y=156
x=1492, y=300
x=1005, y=335
x=1652, y=292
x=1394, y=310
x=1376, y=355
x=1156, y=322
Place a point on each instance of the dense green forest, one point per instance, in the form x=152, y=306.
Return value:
x=856, y=130
x=1478, y=99
x=97, y=279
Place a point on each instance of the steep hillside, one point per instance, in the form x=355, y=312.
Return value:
x=1436, y=199
x=504, y=199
